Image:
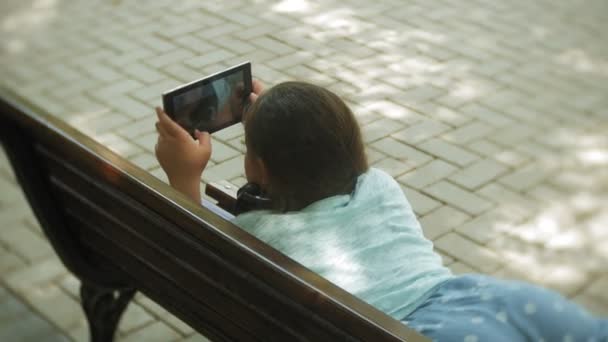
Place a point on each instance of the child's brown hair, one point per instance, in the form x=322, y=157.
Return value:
x=309, y=141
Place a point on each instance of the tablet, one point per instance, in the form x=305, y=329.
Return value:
x=211, y=103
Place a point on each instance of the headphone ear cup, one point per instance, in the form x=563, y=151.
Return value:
x=249, y=188
x=250, y=197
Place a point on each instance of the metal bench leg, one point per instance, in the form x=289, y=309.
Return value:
x=103, y=308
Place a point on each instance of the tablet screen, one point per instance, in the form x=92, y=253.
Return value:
x=213, y=103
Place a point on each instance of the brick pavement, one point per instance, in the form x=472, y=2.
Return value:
x=491, y=115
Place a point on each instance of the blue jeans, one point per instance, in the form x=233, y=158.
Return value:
x=476, y=308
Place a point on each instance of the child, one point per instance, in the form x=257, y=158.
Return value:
x=352, y=224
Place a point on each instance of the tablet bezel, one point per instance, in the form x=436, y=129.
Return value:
x=168, y=95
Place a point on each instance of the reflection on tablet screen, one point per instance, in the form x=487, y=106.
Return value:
x=211, y=106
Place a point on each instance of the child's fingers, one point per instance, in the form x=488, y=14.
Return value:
x=169, y=126
x=253, y=97
x=160, y=129
x=258, y=87
x=204, y=138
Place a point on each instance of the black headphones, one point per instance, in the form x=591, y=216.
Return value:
x=251, y=197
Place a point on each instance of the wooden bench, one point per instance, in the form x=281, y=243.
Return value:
x=120, y=230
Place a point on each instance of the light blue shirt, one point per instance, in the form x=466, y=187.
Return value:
x=368, y=243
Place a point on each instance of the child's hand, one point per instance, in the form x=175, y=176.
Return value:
x=258, y=87
x=182, y=158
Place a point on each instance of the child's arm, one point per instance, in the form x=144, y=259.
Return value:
x=182, y=158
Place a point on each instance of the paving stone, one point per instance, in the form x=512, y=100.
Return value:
x=80, y=332
x=26, y=243
x=460, y=268
x=598, y=288
x=484, y=147
x=117, y=88
x=238, y=144
x=530, y=267
x=170, y=57
x=502, y=195
x=458, y=198
x=139, y=127
x=393, y=167
x=373, y=155
x=154, y=90
x=229, y=169
x=26, y=278
x=134, y=318
x=237, y=46
x=478, y=173
x=147, y=141
x=118, y=144
x=545, y=193
x=445, y=114
x=448, y=151
x=428, y=174
x=11, y=216
x=513, y=133
x=143, y=73
x=441, y=221
x=421, y=203
x=445, y=259
x=302, y=72
x=401, y=151
x=524, y=178
x=229, y=133
x=534, y=149
x=392, y=111
x=71, y=285
x=485, y=115
x=30, y=328
x=131, y=56
x=511, y=158
x=56, y=306
x=208, y=58
x=10, y=194
x=11, y=309
x=272, y=45
x=178, y=325
x=146, y=161
x=420, y=132
x=102, y=72
x=468, y=252
x=131, y=107
x=9, y=261
x=160, y=174
x=420, y=94
x=486, y=227
x=150, y=305
x=379, y=129
x=468, y=132
x=594, y=306
x=155, y=332
x=182, y=72
x=101, y=124
x=222, y=151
